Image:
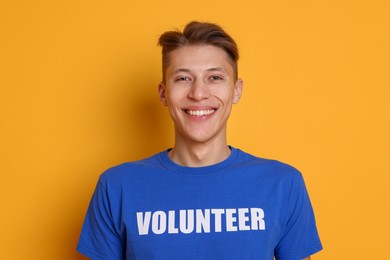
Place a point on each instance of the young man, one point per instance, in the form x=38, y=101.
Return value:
x=201, y=199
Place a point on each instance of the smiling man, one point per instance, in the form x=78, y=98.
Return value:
x=199, y=89
x=200, y=199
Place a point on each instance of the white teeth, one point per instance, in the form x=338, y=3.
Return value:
x=200, y=112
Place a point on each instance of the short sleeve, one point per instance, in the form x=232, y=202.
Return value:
x=300, y=237
x=99, y=237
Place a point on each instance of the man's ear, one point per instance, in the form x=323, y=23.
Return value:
x=237, y=91
x=161, y=92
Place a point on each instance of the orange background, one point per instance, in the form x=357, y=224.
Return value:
x=78, y=94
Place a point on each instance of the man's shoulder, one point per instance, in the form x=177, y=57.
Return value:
x=131, y=168
x=267, y=165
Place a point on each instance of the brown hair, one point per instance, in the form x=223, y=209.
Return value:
x=198, y=33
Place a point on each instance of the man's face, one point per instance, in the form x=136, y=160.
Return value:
x=199, y=91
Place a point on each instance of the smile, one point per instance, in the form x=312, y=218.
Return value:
x=200, y=113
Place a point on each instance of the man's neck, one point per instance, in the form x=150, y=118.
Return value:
x=198, y=155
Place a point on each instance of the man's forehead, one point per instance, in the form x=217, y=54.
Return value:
x=203, y=57
x=196, y=50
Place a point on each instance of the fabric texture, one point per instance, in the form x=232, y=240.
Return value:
x=242, y=208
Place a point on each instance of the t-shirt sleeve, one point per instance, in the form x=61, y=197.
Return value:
x=300, y=237
x=100, y=238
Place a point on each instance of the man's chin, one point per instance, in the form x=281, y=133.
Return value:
x=200, y=137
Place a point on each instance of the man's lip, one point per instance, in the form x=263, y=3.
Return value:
x=200, y=111
x=200, y=108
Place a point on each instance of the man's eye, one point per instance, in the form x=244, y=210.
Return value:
x=182, y=79
x=216, y=77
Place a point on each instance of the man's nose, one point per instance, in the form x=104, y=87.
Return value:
x=198, y=90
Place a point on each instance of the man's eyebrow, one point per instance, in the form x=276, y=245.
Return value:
x=176, y=71
x=180, y=70
x=216, y=69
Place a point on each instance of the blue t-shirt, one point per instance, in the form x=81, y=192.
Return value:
x=242, y=208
